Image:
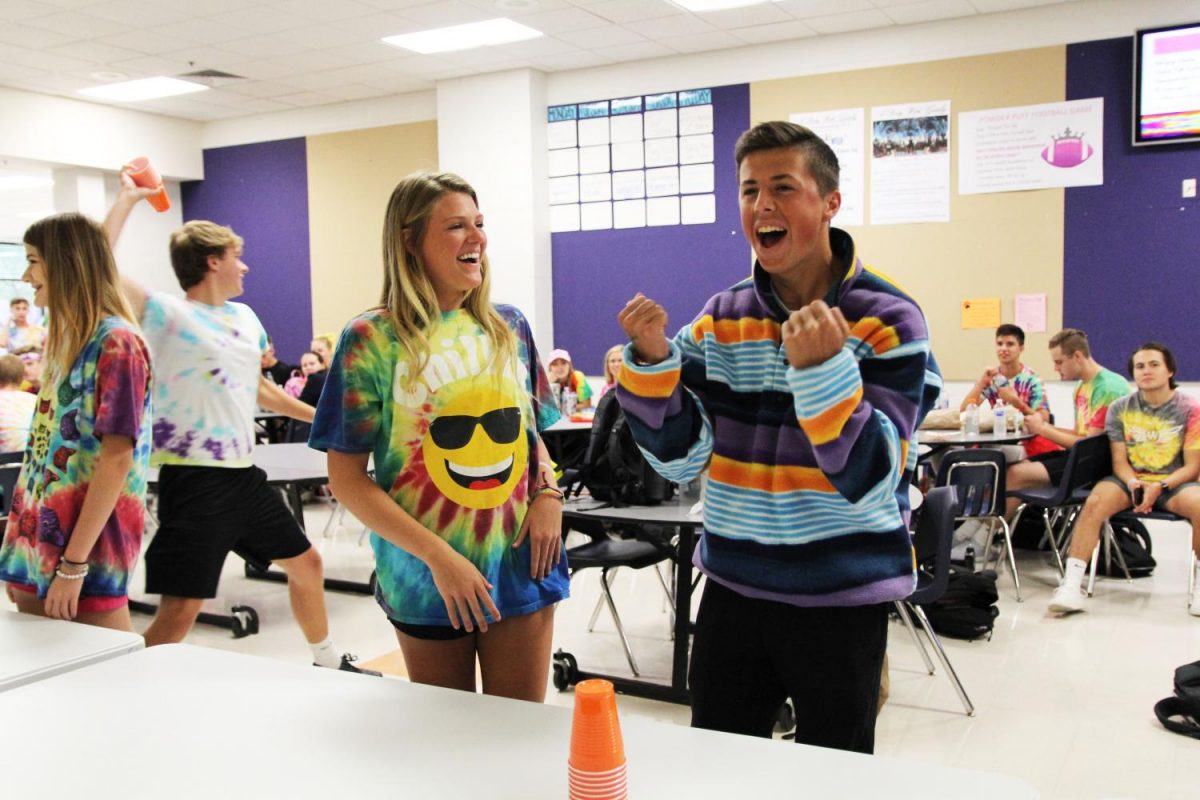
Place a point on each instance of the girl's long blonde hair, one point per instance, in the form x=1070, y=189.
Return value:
x=609, y=375
x=408, y=294
x=82, y=285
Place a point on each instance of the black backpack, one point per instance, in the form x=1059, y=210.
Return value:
x=967, y=609
x=614, y=469
x=1131, y=536
x=1185, y=704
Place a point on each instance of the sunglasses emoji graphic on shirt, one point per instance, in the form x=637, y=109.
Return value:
x=475, y=450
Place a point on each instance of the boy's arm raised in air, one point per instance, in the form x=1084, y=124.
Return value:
x=128, y=197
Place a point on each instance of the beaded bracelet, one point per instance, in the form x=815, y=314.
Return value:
x=70, y=563
x=71, y=576
x=548, y=490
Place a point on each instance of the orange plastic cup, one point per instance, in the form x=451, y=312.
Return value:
x=596, y=744
x=145, y=175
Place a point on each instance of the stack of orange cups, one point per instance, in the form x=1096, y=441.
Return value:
x=596, y=769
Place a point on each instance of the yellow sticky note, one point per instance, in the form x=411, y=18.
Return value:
x=981, y=312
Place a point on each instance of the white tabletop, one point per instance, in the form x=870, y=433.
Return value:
x=673, y=512
x=34, y=648
x=283, y=463
x=565, y=425
x=208, y=723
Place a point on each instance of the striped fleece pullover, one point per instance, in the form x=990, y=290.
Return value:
x=808, y=468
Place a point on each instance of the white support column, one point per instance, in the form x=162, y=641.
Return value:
x=492, y=132
x=80, y=190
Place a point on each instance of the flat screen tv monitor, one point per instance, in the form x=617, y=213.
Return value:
x=1166, y=85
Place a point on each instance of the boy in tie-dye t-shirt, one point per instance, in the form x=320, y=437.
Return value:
x=106, y=392
x=455, y=448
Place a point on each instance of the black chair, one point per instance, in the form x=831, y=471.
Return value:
x=607, y=552
x=978, y=475
x=931, y=543
x=1088, y=461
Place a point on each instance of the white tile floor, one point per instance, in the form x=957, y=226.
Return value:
x=1065, y=703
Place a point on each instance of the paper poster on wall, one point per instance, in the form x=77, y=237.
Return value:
x=629, y=214
x=696, y=179
x=627, y=155
x=662, y=211
x=595, y=216
x=593, y=159
x=698, y=209
x=696, y=149
x=595, y=187
x=695, y=119
x=628, y=185
x=1029, y=312
x=564, y=162
x=564, y=190
x=564, y=218
x=662, y=181
x=981, y=312
x=660, y=124
x=593, y=131
x=910, y=163
x=662, y=152
x=843, y=130
x=1031, y=147
x=626, y=128
x=560, y=134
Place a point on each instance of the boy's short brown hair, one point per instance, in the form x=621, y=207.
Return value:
x=822, y=161
x=191, y=246
x=12, y=370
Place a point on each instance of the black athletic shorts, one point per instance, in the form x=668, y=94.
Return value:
x=431, y=633
x=206, y=512
x=1055, y=463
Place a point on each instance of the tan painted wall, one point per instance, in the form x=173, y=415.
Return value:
x=1015, y=234
x=350, y=178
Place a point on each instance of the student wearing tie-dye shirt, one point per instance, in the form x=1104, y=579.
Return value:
x=446, y=392
x=78, y=510
x=799, y=389
x=212, y=498
x=1154, y=435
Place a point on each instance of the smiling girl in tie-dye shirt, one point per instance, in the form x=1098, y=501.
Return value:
x=78, y=509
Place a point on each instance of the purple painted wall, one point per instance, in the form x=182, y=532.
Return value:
x=1131, y=267
x=261, y=191
x=596, y=272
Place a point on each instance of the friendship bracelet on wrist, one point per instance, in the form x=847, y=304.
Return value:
x=70, y=563
x=548, y=490
x=71, y=576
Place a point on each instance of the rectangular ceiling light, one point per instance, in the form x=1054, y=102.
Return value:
x=144, y=89
x=464, y=37
x=716, y=5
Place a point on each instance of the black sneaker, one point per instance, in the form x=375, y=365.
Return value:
x=347, y=665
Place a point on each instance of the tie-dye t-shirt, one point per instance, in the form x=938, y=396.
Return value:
x=1093, y=398
x=1028, y=387
x=106, y=392
x=207, y=368
x=456, y=449
x=16, y=415
x=1155, y=436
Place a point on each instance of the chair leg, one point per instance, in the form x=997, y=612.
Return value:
x=670, y=598
x=1191, y=577
x=1012, y=559
x=1050, y=523
x=612, y=607
x=968, y=706
x=906, y=618
x=1115, y=549
x=599, y=605
x=1091, y=587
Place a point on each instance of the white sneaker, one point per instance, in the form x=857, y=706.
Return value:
x=1068, y=599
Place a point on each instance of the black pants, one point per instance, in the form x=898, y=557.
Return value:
x=749, y=655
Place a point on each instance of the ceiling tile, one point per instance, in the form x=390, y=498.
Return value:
x=580, y=59
x=764, y=14
x=854, y=21
x=198, y=29
x=157, y=43
x=561, y=21
x=376, y=26
x=320, y=37
x=26, y=36
x=355, y=91
x=97, y=52
x=637, y=51
x=803, y=9
x=369, y=52
x=929, y=10
x=993, y=6
x=445, y=14
x=261, y=88
x=400, y=84
x=247, y=21
x=324, y=10
x=15, y=10
x=257, y=69
x=780, y=32
x=261, y=47
x=208, y=8
x=25, y=57
x=312, y=61
x=136, y=13
x=306, y=99
x=78, y=26
x=679, y=25
x=532, y=48
x=608, y=36
x=699, y=42
x=633, y=10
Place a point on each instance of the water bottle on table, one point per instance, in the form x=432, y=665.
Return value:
x=999, y=420
x=971, y=423
x=569, y=401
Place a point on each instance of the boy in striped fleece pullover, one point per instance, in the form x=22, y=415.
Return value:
x=800, y=388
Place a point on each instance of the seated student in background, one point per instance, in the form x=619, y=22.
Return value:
x=613, y=358
x=31, y=359
x=312, y=366
x=1013, y=383
x=16, y=406
x=1155, y=438
x=563, y=376
x=273, y=369
x=1097, y=388
x=322, y=346
x=20, y=332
